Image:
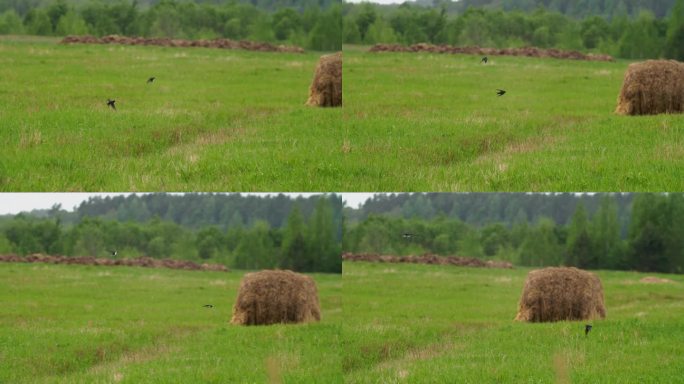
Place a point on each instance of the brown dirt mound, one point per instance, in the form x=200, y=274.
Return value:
x=271, y=297
x=556, y=294
x=655, y=280
x=652, y=87
x=427, y=258
x=527, y=51
x=166, y=42
x=326, y=87
x=133, y=262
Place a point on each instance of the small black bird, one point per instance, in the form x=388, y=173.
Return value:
x=114, y=253
x=587, y=328
x=484, y=60
x=151, y=79
x=111, y=102
x=208, y=306
x=500, y=92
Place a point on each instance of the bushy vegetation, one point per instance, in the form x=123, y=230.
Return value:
x=302, y=242
x=536, y=231
x=317, y=27
x=640, y=35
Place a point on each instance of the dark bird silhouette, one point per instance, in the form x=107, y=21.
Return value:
x=208, y=306
x=151, y=79
x=500, y=92
x=484, y=60
x=111, y=102
x=408, y=235
x=587, y=328
x=114, y=253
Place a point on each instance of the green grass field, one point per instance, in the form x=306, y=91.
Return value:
x=214, y=120
x=431, y=122
x=432, y=324
x=236, y=121
x=84, y=324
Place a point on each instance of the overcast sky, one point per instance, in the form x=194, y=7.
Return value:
x=14, y=203
x=377, y=1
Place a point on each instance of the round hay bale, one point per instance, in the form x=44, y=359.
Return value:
x=556, y=294
x=271, y=297
x=326, y=88
x=652, y=87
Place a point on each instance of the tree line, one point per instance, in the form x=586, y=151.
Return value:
x=639, y=36
x=196, y=210
x=317, y=26
x=485, y=208
x=573, y=8
x=594, y=239
x=304, y=242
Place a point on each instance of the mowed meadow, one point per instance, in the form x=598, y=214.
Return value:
x=213, y=119
x=83, y=324
x=422, y=121
x=442, y=324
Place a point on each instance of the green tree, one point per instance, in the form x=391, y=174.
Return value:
x=579, y=252
x=675, y=33
x=605, y=233
x=37, y=22
x=365, y=18
x=294, y=253
x=326, y=35
x=71, y=23
x=323, y=243
x=10, y=23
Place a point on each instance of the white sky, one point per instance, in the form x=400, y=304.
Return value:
x=377, y=1
x=13, y=203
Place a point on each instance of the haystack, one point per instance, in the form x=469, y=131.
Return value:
x=326, y=88
x=555, y=294
x=652, y=87
x=270, y=297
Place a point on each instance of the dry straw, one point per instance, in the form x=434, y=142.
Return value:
x=326, y=88
x=556, y=294
x=271, y=297
x=652, y=87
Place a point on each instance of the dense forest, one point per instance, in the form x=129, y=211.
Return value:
x=311, y=24
x=646, y=30
x=574, y=8
x=244, y=232
x=607, y=231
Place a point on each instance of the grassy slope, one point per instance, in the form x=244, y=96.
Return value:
x=427, y=324
x=433, y=122
x=62, y=324
x=213, y=120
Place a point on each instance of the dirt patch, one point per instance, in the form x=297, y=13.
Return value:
x=427, y=258
x=526, y=51
x=166, y=42
x=143, y=261
x=655, y=280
